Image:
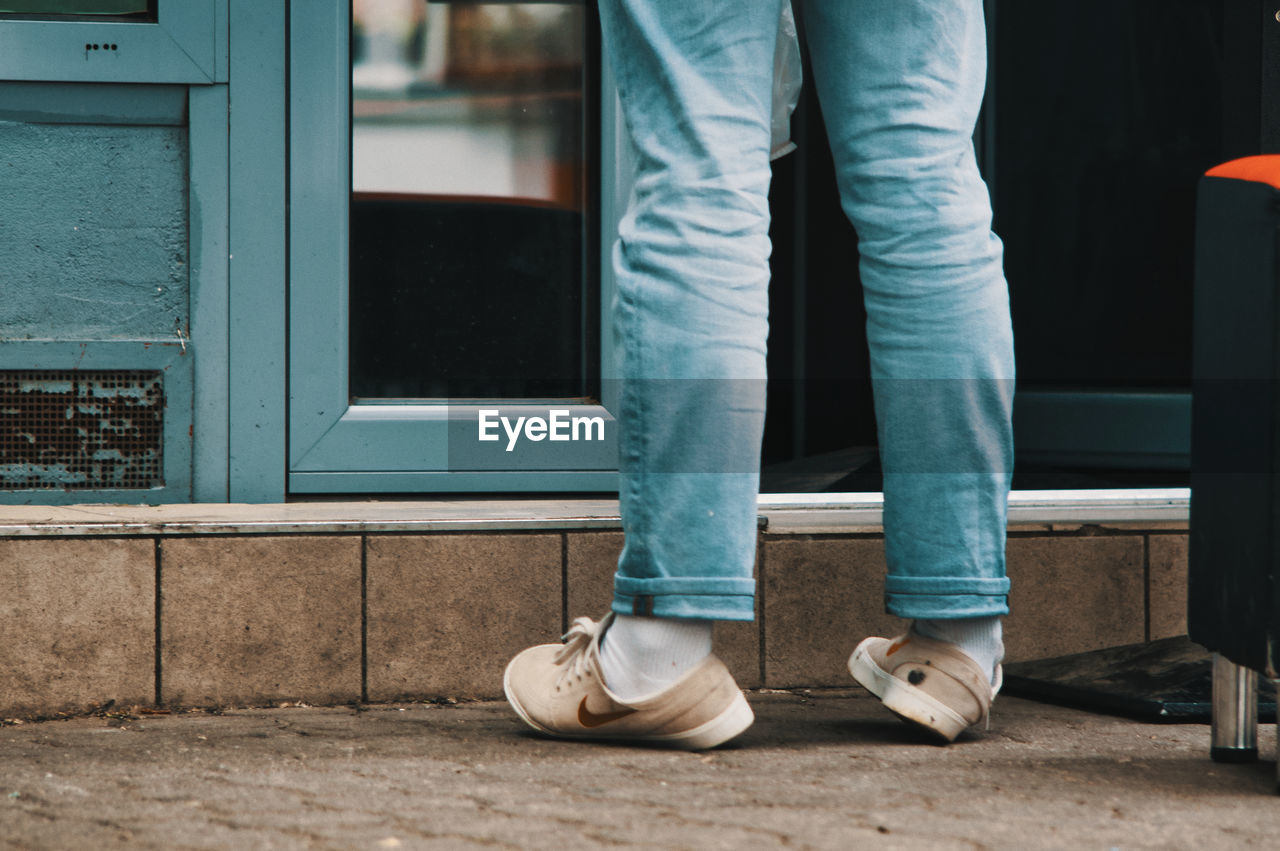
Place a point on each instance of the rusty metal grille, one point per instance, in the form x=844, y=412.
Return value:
x=81, y=429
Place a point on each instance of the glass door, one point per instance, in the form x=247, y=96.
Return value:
x=445, y=295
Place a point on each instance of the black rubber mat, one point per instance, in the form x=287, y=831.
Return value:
x=1167, y=680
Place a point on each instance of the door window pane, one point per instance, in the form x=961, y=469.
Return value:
x=468, y=201
x=1102, y=133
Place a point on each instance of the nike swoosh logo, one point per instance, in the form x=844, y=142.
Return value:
x=589, y=719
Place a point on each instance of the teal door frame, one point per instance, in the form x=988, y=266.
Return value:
x=336, y=445
x=218, y=67
x=168, y=73
x=245, y=459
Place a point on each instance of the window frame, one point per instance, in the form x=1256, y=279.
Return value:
x=337, y=445
x=187, y=43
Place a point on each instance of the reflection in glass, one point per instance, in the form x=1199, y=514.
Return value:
x=468, y=195
x=470, y=99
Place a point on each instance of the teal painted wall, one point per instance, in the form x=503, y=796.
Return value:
x=93, y=232
x=142, y=227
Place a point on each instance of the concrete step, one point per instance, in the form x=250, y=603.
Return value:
x=329, y=602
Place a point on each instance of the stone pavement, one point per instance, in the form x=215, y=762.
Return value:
x=821, y=769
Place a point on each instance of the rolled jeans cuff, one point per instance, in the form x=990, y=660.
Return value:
x=945, y=597
x=725, y=599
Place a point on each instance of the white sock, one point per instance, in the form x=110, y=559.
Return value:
x=981, y=638
x=642, y=656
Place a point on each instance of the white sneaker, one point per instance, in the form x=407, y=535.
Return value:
x=559, y=690
x=927, y=682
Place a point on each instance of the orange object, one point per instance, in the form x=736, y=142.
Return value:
x=1259, y=169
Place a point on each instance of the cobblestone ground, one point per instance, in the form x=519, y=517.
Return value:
x=818, y=770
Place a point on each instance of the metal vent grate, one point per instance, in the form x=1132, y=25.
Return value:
x=81, y=429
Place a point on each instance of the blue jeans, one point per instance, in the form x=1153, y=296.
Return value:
x=900, y=83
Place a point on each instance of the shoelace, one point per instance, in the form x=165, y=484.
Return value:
x=576, y=642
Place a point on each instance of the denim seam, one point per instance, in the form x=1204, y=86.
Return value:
x=635, y=446
x=682, y=592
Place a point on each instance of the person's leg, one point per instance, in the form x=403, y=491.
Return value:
x=900, y=82
x=695, y=82
x=691, y=263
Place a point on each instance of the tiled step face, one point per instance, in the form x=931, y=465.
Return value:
x=350, y=612
x=77, y=623
x=446, y=612
x=260, y=618
x=1167, y=585
x=1072, y=594
x=821, y=597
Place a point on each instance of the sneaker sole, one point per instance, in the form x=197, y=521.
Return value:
x=905, y=700
x=733, y=721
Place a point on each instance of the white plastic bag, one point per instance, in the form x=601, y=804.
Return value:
x=787, y=79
